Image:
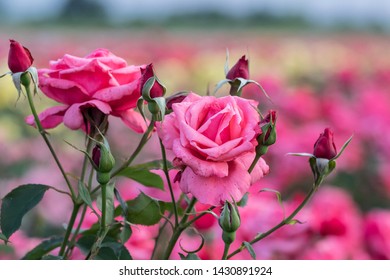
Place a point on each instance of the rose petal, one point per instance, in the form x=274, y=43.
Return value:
x=199, y=166
x=82, y=76
x=261, y=168
x=120, y=98
x=215, y=190
x=127, y=74
x=134, y=120
x=49, y=118
x=73, y=117
x=168, y=131
x=62, y=91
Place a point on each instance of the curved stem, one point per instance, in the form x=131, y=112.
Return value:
x=281, y=224
x=141, y=144
x=166, y=172
x=44, y=136
x=178, y=230
x=254, y=162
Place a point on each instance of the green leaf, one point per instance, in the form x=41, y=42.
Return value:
x=125, y=233
x=278, y=195
x=293, y=222
x=51, y=258
x=114, y=251
x=109, y=249
x=244, y=200
x=140, y=106
x=2, y=237
x=190, y=256
x=42, y=249
x=220, y=84
x=17, y=203
x=249, y=247
x=155, y=164
x=226, y=68
x=343, y=147
x=161, y=105
x=300, y=154
x=143, y=210
x=122, y=203
x=84, y=194
x=144, y=177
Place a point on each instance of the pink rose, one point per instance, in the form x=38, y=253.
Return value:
x=100, y=83
x=377, y=234
x=215, y=140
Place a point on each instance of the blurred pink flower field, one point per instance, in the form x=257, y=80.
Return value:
x=340, y=81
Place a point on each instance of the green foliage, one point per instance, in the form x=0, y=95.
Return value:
x=17, y=203
x=143, y=176
x=143, y=210
x=42, y=249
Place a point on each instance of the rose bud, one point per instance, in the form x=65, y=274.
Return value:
x=268, y=129
x=324, y=146
x=19, y=57
x=175, y=98
x=157, y=90
x=239, y=70
x=229, y=221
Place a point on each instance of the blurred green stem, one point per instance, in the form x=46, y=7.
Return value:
x=26, y=84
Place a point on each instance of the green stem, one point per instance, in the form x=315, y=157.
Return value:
x=104, y=204
x=226, y=251
x=141, y=144
x=179, y=230
x=281, y=224
x=254, y=162
x=44, y=136
x=82, y=216
x=166, y=172
x=75, y=211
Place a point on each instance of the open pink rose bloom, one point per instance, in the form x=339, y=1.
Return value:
x=99, y=80
x=215, y=140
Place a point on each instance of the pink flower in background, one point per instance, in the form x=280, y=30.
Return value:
x=215, y=140
x=377, y=234
x=335, y=227
x=99, y=82
x=19, y=57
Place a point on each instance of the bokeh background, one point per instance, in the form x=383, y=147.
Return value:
x=324, y=64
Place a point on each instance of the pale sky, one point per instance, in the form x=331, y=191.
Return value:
x=324, y=11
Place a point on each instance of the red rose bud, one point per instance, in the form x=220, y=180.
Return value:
x=324, y=146
x=19, y=57
x=96, y=155
x=239, y=70
x=157, y=90
x=176, y=98
x=268, y=128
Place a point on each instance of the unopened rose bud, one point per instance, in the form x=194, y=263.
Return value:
x=239, y=70
x=19, y=57
x=268, y=129
x=324, y=146
x=157, y=90
x=103, y=159
x=229, y=219
x=176, y=98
